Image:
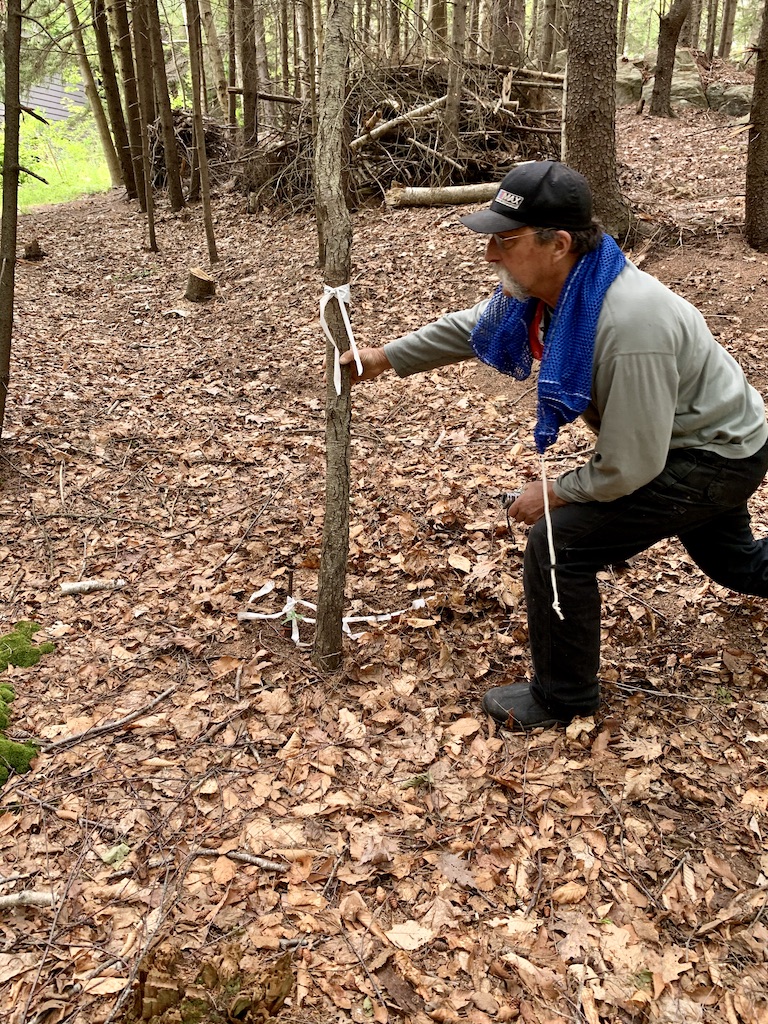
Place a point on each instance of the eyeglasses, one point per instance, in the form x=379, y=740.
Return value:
x=507, y=241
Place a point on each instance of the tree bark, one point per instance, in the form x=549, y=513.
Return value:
x=214, y=56
x=195, y=54
x=712, y=7
x=622, y=42
x=94, y=100
x=726, y=33
x=689, y=34
x=455, y=78
x=249, y=71
x=170, y=148
x=590, y=108
x=448, y=195
x=669, y=32
x=9, y=223
x=335, y=241
x=112, y=96
x=547, y=35
x=146, y=103
x=121, y=38
x=437, y=17
x=756, y=208
x=264, y=82
x=232, y=70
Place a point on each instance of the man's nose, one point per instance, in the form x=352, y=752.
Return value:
x=491, y=250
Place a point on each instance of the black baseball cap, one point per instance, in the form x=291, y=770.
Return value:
x=539, y=193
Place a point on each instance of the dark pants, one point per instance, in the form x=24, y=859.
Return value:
x=699, y=497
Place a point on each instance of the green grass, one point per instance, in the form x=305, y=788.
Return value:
x=67, y=154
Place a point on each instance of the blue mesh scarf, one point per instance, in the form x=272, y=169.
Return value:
x=500, y=339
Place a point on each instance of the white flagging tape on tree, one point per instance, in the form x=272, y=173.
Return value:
x=342, y=296
x=289, y=613
x=550, y=542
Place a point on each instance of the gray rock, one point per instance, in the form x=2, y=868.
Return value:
x=629, y=84
x=737, y=100
x=687, y=90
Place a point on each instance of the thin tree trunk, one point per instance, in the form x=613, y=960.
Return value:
x=285, y=69
x=262, y=64
x=170, y=147
x=121, y=38
x=335, y=240
x=232, y=69
x=455, y=78
x=437, y=16
x=393, y=33
x=548, y=18
x=726, y=34
x=669, y=32
x=195, y=54
x=214, y=56
x=94, y=100
x=146, y=102
x=249, y=71
x=112, y=95
x=689, y=34
x=756, y=219
x=622, y=42
x=590, y=110
x=711, y=28
x=8, y=226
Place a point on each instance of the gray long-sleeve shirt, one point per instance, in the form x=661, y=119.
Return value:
x=659, y=381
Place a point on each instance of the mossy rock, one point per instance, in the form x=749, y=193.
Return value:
x=14, y=757
x=17, y=649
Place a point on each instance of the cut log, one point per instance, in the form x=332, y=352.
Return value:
x=200, y=286
x=33, y=251
x=450, y=195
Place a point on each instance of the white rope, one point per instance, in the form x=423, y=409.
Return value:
x=290, y=614
x=550, y=542
x=342, y=296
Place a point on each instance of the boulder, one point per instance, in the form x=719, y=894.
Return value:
x=629, y=83
x=732, y=100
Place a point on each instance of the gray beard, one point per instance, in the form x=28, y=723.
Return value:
x=511, y=285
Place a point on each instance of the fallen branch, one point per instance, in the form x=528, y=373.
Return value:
x=388, y=126
x=247, y=858
x=88, y=586
x=103, y=730
x=27, y=898
x=450, y=195
x=439, y=156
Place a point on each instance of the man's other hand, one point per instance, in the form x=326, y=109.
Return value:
x=529, y=507
x=374, y=362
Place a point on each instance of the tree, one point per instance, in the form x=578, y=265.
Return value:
x=689, y=35
x=726, y=33
x=9, y=224
x=94, y=100
x=547, y=33
x=623, y=26
x=502, y=30
x=756, y=207
x=335, y=241
x=120, y=33
x=195, y=52
x=160, y=78
x=669, y=31
x=112, y=95
x=712, y=6
x=455, y=78
x=214, y=56
x=590, y=107
x=147, y=106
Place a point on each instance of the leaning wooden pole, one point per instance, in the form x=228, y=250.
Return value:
x=334, y=228
x=8, y=227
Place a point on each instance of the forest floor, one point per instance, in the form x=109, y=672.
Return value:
x=364, y=846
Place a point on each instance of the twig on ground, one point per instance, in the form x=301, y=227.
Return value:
x=27, y=898
x=88, y=586
x=103, y=730
x=246, y=858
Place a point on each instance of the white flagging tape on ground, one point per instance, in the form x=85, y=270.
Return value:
x=342, y=296
x=289, y=613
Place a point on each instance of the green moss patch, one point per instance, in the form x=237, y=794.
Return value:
x=17, y=649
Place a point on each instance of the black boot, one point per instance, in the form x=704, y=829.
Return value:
x=514, y=707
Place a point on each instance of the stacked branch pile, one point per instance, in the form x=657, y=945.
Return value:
x=398, y=137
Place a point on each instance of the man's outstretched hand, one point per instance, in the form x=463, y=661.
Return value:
x=529, y=507
x=374, y=362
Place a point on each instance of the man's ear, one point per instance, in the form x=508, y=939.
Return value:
x=563, y=242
